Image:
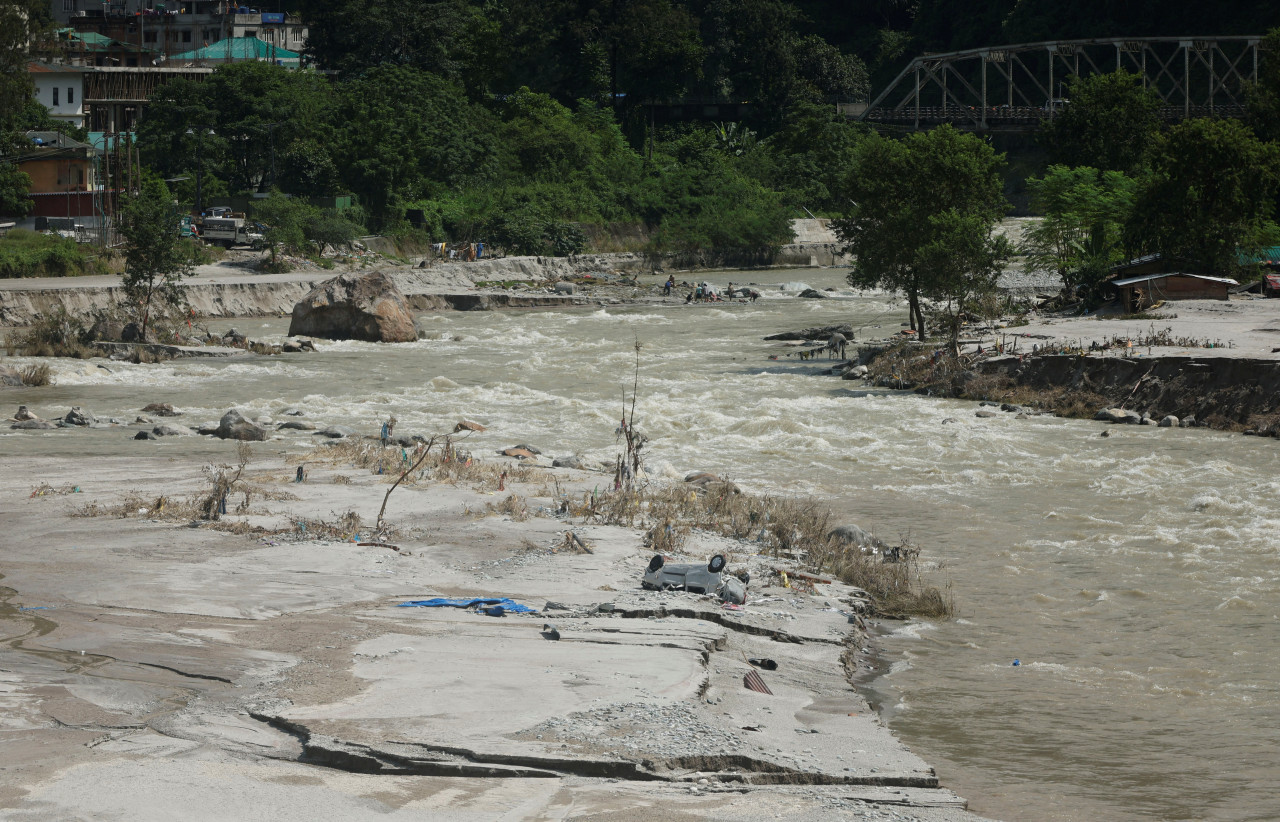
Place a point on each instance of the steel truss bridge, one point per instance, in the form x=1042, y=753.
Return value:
x=1016, y=88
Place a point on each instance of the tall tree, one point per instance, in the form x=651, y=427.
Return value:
x=456, y=39
x=156, y=259
x=964, y=261
x=1108, y=123
x=405, y=133
x=1209, y=198
x=1080, y=235
x=1263, y=97
x=909, y=199
x=23, y=25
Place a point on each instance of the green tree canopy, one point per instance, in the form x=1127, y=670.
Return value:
x=454, y=39
x=1263, y=97
x=1081, y=233
x=909, y=199
x=1107, y=125
x=406, y=134
x=259, y=113
x=1209, y=197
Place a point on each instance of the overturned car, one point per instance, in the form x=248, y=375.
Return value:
x=696, y=578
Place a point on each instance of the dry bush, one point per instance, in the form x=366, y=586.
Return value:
x=783, y=527
x=342, y=527
x=446, y=463
x=35, y=375
x=513, y=506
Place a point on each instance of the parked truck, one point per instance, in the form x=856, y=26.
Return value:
x=229, y=231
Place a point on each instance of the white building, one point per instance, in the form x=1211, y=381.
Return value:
x=61, y=90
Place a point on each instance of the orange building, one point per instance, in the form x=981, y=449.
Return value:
x=61, y=172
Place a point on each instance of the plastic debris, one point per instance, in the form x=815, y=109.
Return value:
x=464, y=602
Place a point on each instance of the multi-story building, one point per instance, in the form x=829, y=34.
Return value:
x=155, y=29
x=60, y=88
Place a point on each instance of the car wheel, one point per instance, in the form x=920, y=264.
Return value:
x=716, y=565
x=656, y=563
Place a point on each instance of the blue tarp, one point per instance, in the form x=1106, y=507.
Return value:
x=462, y=602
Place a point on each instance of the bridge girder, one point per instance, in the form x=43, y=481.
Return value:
x=1015, y=87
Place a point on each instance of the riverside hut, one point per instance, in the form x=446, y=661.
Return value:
x=1146, y=290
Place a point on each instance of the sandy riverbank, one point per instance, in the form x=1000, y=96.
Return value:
x=158, y=670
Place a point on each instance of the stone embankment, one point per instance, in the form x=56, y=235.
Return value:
x=1221, y=392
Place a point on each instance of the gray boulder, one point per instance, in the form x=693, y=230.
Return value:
x=144, y=435
x=1118, y=415
x=169, y=430
x=33, y=425
x=78, y=417
x=106, y=329
x=857, y=372
x=1169, y=421
x=528, y=448
x=10, y=376
x=335, y=432
x=233, y=426
x=567, y=462
x=985, y=414
x=1187, y=422
x=822, y=332
x=566, y=288
x=355, y=307
x=296, y=425
x=855, y=536
x=813, y=294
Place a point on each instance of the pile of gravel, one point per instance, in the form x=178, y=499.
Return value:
x=643, y=729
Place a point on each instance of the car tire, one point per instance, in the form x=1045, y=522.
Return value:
x=656, y=563
x=717, y=563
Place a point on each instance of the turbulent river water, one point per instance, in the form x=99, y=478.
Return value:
x=1136, y=577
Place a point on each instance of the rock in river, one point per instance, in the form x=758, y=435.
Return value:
x=233, y=426
x=78, y=417
x=355, y=307
x=33, y=425
x=169, y=430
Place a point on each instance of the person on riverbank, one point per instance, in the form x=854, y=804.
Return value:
x=670, y=284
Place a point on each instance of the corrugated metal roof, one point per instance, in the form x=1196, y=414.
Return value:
x=239, y=48
x=1148, y=277
x=1267, y=256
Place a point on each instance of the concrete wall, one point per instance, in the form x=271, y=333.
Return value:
x=70, y=88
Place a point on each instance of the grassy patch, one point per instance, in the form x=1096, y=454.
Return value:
x=30, y=254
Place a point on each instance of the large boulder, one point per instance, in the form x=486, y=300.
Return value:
x=79, y=417
x=233, y=426
x=1118, y=415
x=355, y=307
x=170, y=430
x=33, y=425
x=106, y=329
x=854, y=536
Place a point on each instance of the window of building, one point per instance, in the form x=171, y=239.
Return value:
x=186, y=36
x=55, y=95
x=68, y=5
x=71, y=96
x=148, y=37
